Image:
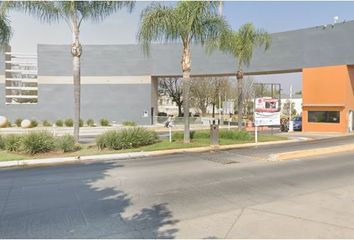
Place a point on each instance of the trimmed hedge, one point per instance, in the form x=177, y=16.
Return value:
x=59, y=123
x=18, y=122
x=34, y=123
x=46, y=123
x=69, y=122
x=126, y=138
x=129, y=123
x=90, y=122
x=104, y=122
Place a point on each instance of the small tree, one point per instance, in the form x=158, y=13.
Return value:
x=188, y=22
x=207, y=91
x=173, y=88
x=200, y=93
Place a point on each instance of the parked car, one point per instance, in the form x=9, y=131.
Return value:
x=297, y=123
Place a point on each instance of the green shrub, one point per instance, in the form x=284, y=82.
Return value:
x=59, y=123
x=203, y=134
x=223, y=134
x=69, y=122
x=2, y=143
x=90, y=122
x=235, y=135
x=38, y=142
x=66, y=143
x=81, y=123
x=180, y=135
x=46, y=123
x=18, y=122
x=126, y=138
x=34, y=123
x=104, y=122
x=9, y=124
x=12, y=142
x=129, y=123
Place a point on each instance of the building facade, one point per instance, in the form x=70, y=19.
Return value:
x=328, y=99
x=120, y=83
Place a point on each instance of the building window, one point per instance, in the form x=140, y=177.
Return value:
x=324, y=116
x=21, y=86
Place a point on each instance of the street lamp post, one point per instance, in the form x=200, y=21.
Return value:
x=291, y=127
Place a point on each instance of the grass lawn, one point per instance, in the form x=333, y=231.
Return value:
x=162, y=145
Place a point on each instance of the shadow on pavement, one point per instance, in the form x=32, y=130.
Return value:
x=60, y=202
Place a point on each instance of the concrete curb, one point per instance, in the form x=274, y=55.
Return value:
x=132, y=155
x=311, y=152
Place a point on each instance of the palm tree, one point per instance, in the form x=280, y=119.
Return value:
x=74, y=13
x=188, y=22
x=5, y=30
x=241, y=45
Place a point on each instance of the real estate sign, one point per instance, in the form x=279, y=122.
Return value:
x=266, y=118
x=266, y=112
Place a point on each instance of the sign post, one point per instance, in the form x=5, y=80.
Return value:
x=266, y=113
x=170, y=130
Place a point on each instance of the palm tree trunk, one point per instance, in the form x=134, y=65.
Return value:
x=239, y=76
x=186, y=68
x=76, y=51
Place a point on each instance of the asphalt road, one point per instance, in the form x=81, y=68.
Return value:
x=188, y=195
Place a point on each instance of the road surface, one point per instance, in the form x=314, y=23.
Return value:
x=229, y=194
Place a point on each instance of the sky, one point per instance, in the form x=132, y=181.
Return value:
x=121, y=27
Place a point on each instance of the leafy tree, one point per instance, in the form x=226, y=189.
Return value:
x=206, y=91
x=173, y=88
x=241, y=45
x=286, y=109
x=74, y=13
x=188, y=22
x=200, y=93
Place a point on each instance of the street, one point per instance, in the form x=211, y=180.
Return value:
x=228, y=194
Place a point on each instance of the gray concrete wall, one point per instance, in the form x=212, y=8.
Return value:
x=289, y=51
x=116, y=102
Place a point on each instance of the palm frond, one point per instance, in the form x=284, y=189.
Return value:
x=46, y=11
x=158, y=23
x=241, y=43
x=5, y=31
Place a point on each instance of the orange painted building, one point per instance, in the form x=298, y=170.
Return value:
x=328, y=99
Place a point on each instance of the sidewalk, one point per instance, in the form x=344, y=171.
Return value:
x=84, y=131
x=327, y=213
